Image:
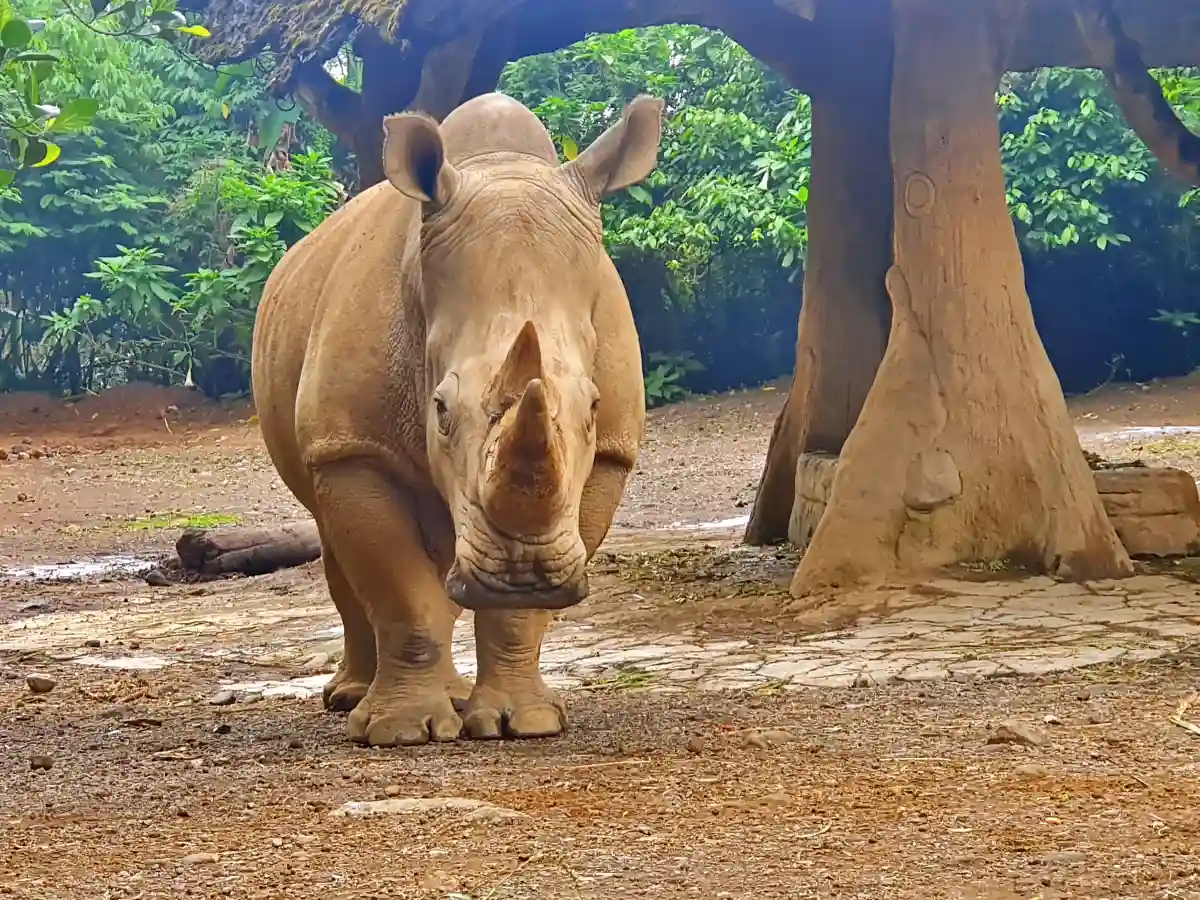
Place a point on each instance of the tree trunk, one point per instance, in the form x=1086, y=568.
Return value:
x=248, y=551
x=845, y=313
x=964, y=450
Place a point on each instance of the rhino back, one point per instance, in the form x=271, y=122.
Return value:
x=338, y=359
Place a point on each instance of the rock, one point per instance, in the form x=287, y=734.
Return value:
x=197, y=859
x=92, y=642
x=156, y=578
x=222, y=698
x=1051, y=719
x=1154, y=510
x=41, y=762
x=493, y=815
x=771, y=737
x=40, y=684
x=695, y=746
x=223, y=728
x=1018, y=733
x=1032, y=770
x=392, y=790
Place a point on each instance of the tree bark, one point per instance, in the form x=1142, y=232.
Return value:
x=444, y=76
x=1138, y=95
x=845, y=314
x=248, y=551
x=964, y=450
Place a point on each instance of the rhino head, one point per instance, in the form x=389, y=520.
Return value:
x=513, y=277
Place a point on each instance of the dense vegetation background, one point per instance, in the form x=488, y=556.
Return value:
x=141, y=251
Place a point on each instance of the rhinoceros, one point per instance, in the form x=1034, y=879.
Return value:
x=448, y=377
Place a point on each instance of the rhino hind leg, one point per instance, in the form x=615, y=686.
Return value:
x=510, y=699
x=371, y=525
x=356, y=671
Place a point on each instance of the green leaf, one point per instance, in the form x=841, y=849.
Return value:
x=16, y=35
x=7, y=176
x=273, y=219
x=570, y=149
x=52, y=152
x=77, y=115
x=195, y=31
x=640, y=193
x=38, y=56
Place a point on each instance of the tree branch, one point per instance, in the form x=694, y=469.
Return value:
x=1138, y=95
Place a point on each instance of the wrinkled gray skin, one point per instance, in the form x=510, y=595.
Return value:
x=448, y=377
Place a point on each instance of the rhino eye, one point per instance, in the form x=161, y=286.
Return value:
x=443, y=415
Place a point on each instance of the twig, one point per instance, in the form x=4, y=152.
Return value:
x=820, y=831
x=1183, y=723
x=511, y=875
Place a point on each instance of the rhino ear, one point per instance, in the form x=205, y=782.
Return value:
x=414, y=159
x=623, y=155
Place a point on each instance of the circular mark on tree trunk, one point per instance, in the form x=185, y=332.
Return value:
x=919, y=194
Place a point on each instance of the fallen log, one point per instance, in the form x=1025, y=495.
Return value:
x=216, y=552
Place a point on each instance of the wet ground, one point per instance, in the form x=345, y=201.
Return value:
x=998, y=738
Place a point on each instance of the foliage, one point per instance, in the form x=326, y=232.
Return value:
x=151, y=318
x=174, y=149
x=142, y=252
x=665, y=380
x=29, y=59
x=718, y=232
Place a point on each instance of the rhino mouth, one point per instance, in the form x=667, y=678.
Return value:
x=473, y=589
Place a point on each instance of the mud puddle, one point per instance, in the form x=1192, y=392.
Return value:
x=102, y=568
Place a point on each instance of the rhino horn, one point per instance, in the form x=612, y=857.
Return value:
x=526, y=474
x=522, y=365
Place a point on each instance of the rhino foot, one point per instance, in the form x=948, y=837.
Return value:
x=527, y=711
x=459, y=689
x=343, y=694
x=404, y=717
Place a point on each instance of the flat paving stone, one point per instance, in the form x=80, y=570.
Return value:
x=942, y=629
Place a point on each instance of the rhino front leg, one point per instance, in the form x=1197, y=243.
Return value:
x=371, y=525
x=601, y=497
x=356, y=671
x=510, y=699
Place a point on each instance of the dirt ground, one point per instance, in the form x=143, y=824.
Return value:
x=122, y=784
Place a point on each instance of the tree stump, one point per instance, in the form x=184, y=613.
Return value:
x=964, y=450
